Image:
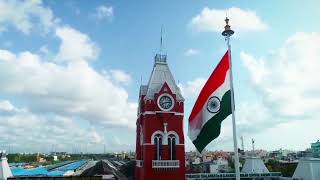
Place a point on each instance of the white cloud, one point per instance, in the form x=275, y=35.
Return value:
x=287, y=79
x=75, y=89
x=33, y=130
x=75, y=45
x=96, y=138
x=294, y=135
x=191, y=52
x=120, y=76
x=6, y=55
x=191, y=89
x=103, y=12
x=26, y=16
x=258, y=66
x=59, y=92
x=6, y=106
x=212, y=20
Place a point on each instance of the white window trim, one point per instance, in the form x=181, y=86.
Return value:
x=176, y=136
x=154, y=134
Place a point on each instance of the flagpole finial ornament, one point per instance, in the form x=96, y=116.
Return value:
x=227, y=29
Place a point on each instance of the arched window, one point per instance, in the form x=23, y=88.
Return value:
x=158, y=145
x=172, y=146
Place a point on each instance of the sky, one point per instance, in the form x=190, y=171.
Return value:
x=70, y=71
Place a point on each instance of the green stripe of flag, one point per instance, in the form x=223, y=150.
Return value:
x=211, y=129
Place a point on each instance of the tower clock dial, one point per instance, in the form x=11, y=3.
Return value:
x=165, y=102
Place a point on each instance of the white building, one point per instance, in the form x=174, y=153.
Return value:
x=5, y=170
x=218, y=165
x=55, y=158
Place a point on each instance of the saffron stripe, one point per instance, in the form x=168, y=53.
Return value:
x=215, y=80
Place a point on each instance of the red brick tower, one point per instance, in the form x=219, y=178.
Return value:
x=160, y=140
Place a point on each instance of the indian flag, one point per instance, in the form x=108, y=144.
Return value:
x=212, y=106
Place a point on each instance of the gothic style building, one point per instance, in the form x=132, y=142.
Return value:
x=159, y=135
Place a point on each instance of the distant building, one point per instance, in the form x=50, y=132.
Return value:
x=304, y=154
x=219, y=166
x=197, y=160
x=315, y=148
x=55, y=158
x=282, y=154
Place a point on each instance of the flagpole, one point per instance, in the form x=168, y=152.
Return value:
x=227, y=33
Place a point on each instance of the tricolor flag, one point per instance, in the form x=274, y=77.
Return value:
x=212, y=106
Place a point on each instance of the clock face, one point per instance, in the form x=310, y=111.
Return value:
x=165, y=102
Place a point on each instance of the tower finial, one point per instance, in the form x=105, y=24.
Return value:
x=227, y=29
x=161, y=39
x=159, y=58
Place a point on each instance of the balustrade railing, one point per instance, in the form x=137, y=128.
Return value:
x=165, y=163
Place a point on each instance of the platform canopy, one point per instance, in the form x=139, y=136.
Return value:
x=254, y=165
x=308, y=168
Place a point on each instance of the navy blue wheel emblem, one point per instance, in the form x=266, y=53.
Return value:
x=213, y=104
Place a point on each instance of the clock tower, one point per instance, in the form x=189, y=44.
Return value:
x=159, y=135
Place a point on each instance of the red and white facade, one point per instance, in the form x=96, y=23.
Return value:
x=159, y=136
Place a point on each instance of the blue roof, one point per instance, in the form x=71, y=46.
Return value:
x=40, y=171
x=55, y=173
x=43, y=171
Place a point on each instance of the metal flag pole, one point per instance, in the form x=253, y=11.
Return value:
x=227, y=33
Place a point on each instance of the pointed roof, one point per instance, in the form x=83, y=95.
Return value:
x=308, y=168
x=161, y=74
x=254, y=165
x=5, y=170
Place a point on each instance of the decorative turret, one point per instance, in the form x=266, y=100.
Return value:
x=5, y=170
x=161, y=74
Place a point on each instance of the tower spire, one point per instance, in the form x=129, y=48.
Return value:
x=161, y=39
x=159, y=58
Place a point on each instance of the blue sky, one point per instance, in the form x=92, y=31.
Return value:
x=71, y=70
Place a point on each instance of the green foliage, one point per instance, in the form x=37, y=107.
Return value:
x=286, y=169
x=18, y=158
